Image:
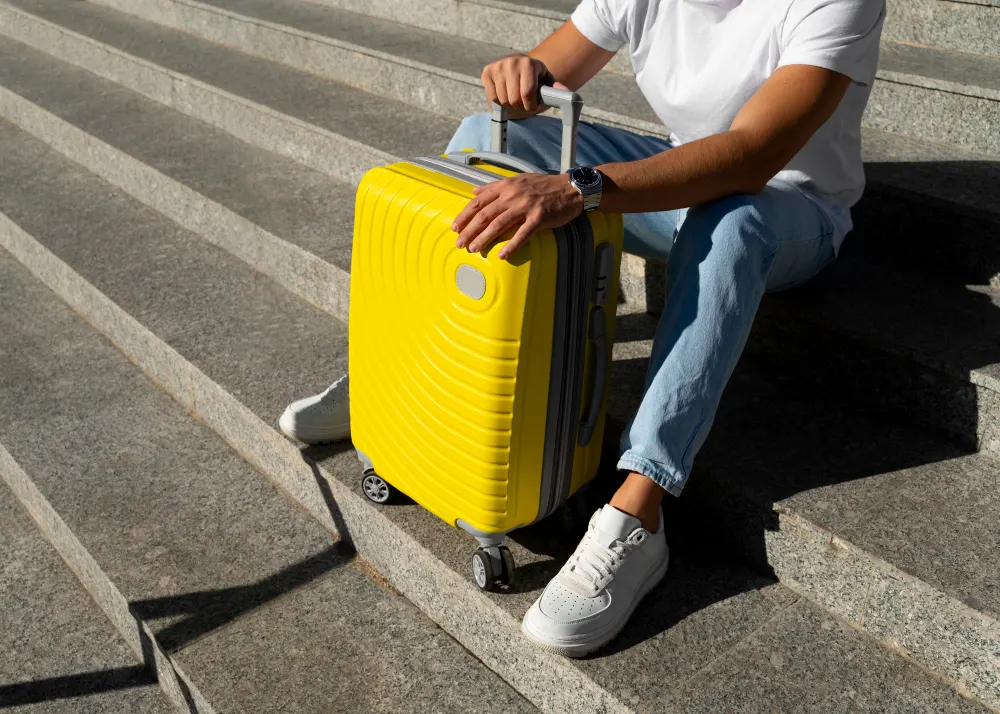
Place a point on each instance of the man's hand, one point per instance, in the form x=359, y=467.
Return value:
x=535, y=201
x=513, y=81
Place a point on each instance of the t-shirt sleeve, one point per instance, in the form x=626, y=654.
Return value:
x=603, y=22
x=840, y=35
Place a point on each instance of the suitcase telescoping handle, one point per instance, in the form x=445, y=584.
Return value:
x=569, y=105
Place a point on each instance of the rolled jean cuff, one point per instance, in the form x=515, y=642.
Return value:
x=669, y=480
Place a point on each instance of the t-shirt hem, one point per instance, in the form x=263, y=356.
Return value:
x=829, y=61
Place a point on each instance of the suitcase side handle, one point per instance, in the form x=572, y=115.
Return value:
x=599, y=337
x=569, y=104
x=470, y=158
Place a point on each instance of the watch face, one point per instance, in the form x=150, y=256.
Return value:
x=586, y=177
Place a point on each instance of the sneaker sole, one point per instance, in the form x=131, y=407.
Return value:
x=316, y=436
x=583, y=649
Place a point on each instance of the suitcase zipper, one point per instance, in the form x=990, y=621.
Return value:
x=575, y=243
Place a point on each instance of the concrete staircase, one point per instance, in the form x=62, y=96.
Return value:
x=180, y=174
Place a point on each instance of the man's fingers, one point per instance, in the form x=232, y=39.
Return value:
x=529, y=91
x=470, y=210
x=489, y=85
x=482, y=199
x=490, y=233
x=500, y=84
x=527, y=229
x=474, y=227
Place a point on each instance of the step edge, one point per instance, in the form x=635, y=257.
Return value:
x=289, y=265
x=322, y=495
x=958, y=624
x=939, y=85
x=333, y=503
x=46, y=36
x=175, y=683
x=462, y=23
x=467, y=84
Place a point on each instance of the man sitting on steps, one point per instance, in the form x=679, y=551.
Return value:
x=751, y=193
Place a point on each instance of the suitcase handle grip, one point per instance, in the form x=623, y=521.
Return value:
x=569, y=105
x=469, y=158
x=598, y=336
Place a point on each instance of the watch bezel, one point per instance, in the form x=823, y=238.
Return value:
x=585, y=177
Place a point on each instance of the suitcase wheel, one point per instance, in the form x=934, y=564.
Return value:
x=377, y=489
x=493, y=566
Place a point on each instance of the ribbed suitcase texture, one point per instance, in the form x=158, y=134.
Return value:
x=451, y=353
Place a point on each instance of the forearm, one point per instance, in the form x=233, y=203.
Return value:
x=704, y=170
x=570, y=57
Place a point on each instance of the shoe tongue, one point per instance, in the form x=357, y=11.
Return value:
x=614, y=525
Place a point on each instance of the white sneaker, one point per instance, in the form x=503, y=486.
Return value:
x=320, y=418
x=589, y=601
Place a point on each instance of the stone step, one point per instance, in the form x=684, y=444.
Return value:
x=971, y=26
x=250, y=599
x=234, y=348
x=58, y=652
x=339, y=130
x=425, y=69
x=441, y=72
x=294, y=224
x=938, y=95
x=516, y=25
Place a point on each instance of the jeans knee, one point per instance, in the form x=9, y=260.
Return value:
x=730, y=223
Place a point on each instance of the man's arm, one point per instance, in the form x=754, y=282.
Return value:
x=770, y=129
x=565, y=58
x=774, y=124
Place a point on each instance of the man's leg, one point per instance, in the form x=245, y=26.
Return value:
x=727, y=254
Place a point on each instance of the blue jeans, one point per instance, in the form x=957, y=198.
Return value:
x=721, y=257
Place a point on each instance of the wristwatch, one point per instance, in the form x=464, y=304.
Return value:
x=589, y=182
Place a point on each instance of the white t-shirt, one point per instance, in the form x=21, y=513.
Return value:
x=698, y=61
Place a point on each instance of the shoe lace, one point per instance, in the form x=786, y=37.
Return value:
x=594, y=564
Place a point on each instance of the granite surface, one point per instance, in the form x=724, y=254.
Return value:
x=283, y=197
x=805, y=661
x=425, y=69
x=517, y=25
x=976, y=75
x=972, y=27
x=187, y=530
x=198, y=297
x=209, y=543
x=58, y=653
x=328, y=126
x=344, y=644
x=926, y=109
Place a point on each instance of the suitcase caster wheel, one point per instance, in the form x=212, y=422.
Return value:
x=509, y=573
x=377, y=489
x=490, y=569
x=482, y=570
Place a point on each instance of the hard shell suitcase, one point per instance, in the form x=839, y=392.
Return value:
x=478, y=385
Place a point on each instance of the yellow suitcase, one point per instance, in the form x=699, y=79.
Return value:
x=478, y=385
